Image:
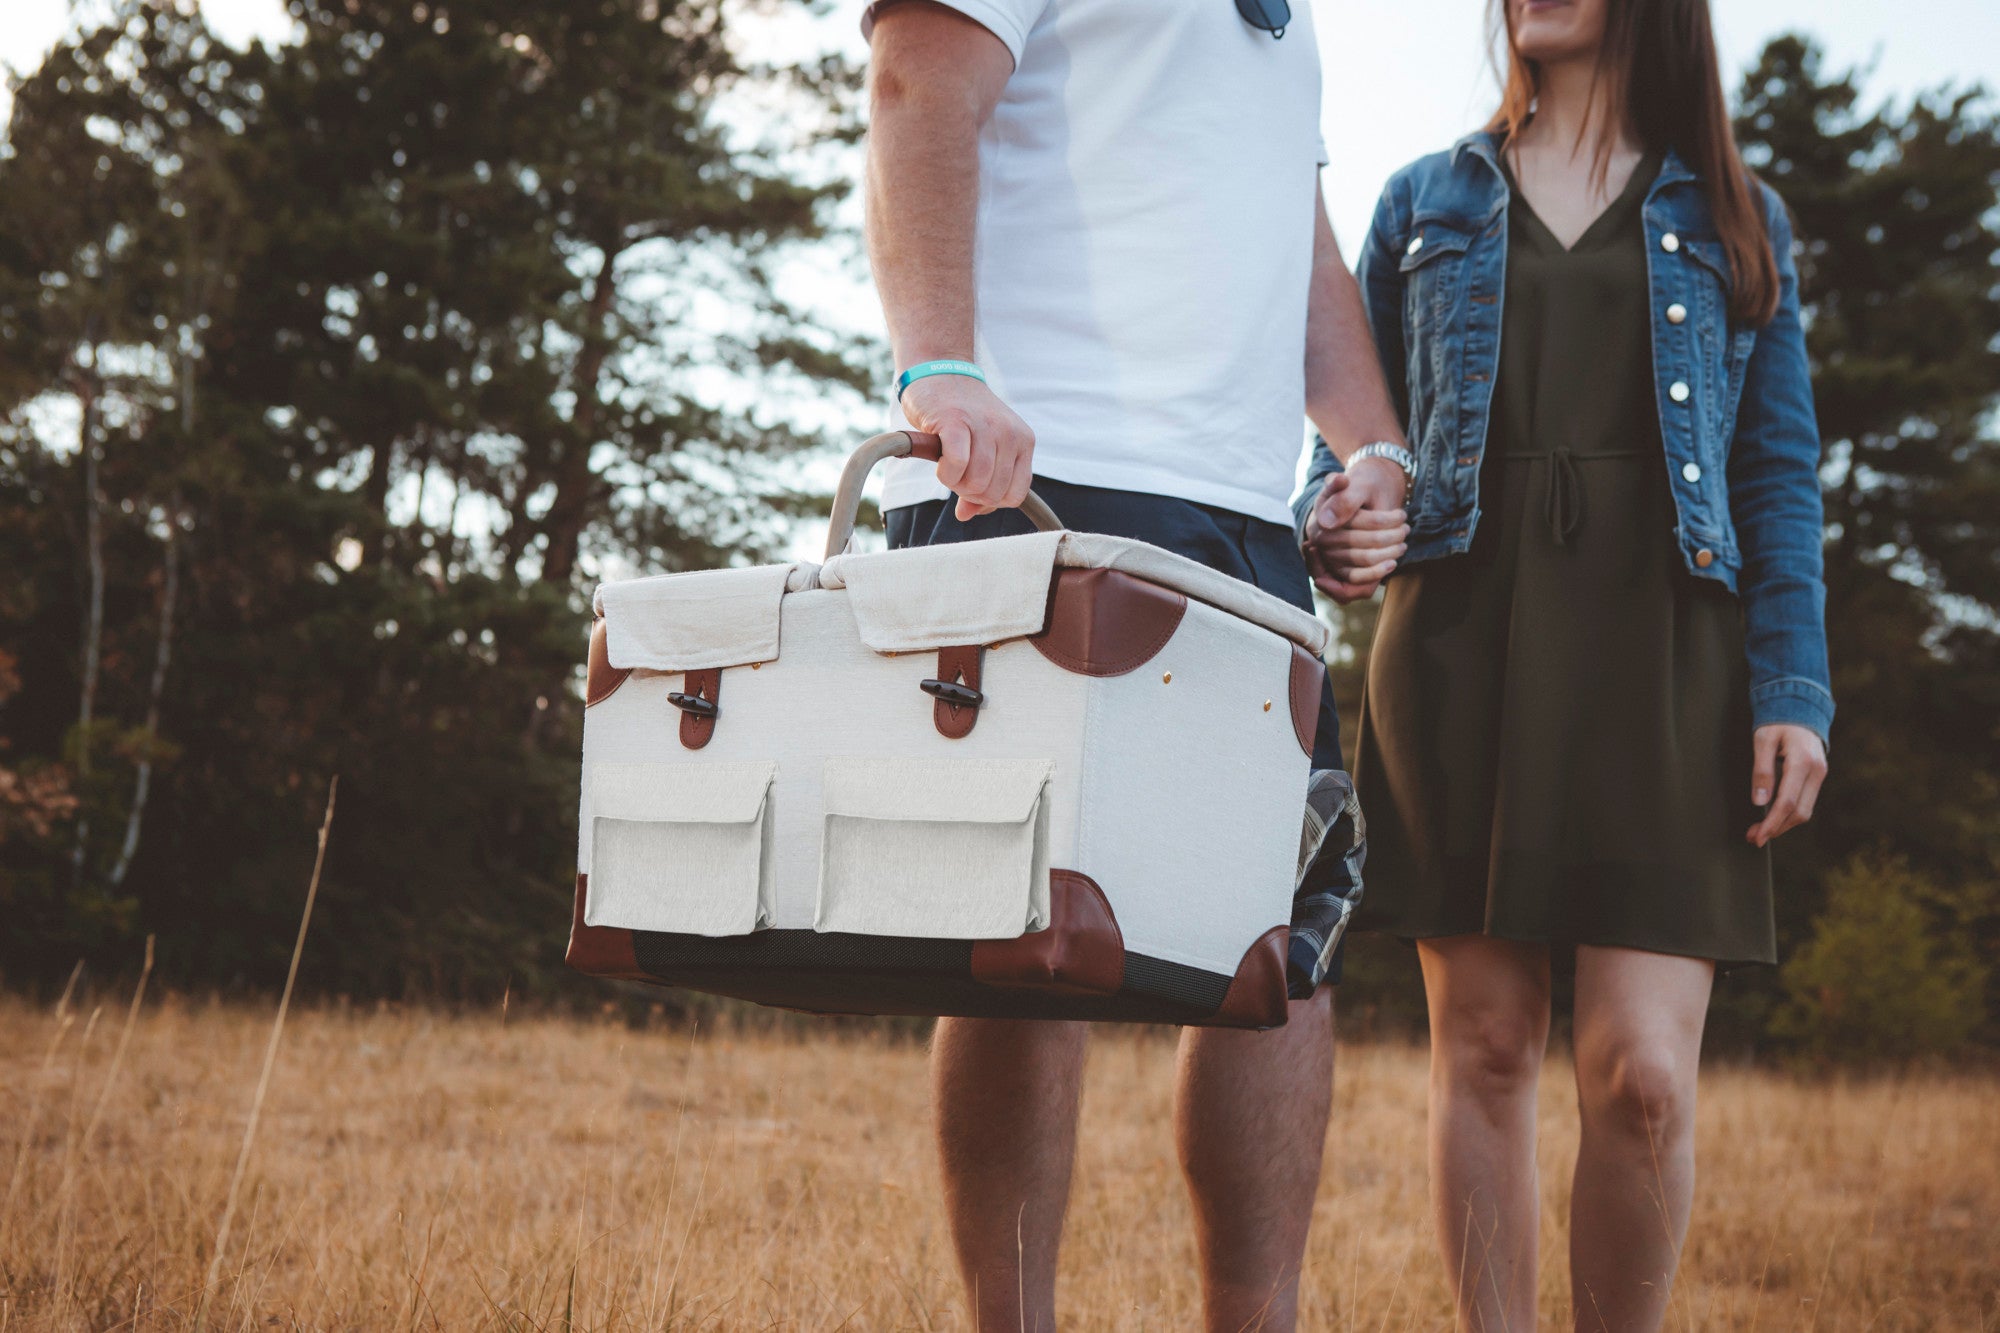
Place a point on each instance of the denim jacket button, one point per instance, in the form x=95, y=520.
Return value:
x=1691, y=472
x=1676, y=313
x=1670, y=243
x=1416, y=244
x=1678, y=391
x=1704, y=557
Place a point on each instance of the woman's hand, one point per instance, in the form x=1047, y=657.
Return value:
x=1357, y=530
x=1790, y=761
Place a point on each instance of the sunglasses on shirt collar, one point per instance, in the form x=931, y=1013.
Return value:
x=1270, y=16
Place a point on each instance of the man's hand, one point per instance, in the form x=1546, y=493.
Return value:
x=988, y=450
x=1791, y=761
x=1357, y=529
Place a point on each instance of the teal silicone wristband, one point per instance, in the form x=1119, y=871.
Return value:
x=925, y=369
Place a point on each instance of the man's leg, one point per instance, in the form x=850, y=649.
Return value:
x=1489, y=1011
x=1250, y=1122
x=1639, y=1018
x=1006, y=1094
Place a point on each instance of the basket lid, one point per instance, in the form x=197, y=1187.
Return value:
x=927, y=597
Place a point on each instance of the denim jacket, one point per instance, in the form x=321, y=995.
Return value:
x=1736, y=407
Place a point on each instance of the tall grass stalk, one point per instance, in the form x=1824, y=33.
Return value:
x=270, y=1062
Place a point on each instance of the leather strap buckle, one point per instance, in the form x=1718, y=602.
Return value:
x=956, y=689
x=953, y=693
x=699, y=700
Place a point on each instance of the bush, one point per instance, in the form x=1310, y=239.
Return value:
x=1877, y=983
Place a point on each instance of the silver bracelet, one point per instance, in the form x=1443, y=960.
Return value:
x=1395, y=453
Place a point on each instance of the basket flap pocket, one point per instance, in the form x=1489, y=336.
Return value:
x=935, y=849
x=683, y=848
x=948, y=595
x=691, y=622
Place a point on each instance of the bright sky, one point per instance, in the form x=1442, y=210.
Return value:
x=1403, y=77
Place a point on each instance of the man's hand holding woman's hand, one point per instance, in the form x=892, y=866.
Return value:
x=989, y=452
x=1357, y=529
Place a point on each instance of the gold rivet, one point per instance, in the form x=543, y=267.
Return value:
x=1267, y=705
x=1167, y=678
x=755, y=665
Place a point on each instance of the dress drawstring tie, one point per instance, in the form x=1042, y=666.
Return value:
x=1564, y=503
x=1563, y=499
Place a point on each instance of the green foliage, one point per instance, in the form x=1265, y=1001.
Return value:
x=331, y=378
x=1878, y=983
x=1898, y=209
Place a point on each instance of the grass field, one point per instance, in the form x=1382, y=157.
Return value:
x=418, y=1170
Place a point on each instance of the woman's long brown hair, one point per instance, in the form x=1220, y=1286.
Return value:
x=1658, y=62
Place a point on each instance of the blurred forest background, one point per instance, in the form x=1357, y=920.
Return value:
x=334, y=375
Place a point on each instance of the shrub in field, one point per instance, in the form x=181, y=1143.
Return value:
x=1877, y=982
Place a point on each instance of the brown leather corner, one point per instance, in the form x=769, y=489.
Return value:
x=1256, y=998
x=600, y=951
x=603, y=679
x=696, y=731
x=961, y=665
x=1082, y=952
x=1106, y=623
x=1307, y=674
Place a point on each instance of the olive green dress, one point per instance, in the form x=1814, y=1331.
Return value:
x=1555, y=740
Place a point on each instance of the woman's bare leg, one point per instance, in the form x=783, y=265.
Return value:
x=1638, y=1044
x=1489, y=1011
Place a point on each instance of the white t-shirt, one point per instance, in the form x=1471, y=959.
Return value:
x=1145, y=234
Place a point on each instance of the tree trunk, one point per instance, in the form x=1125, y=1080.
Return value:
x=162, y=654
x=375, y=489
x=569, y=513
x=87, y=387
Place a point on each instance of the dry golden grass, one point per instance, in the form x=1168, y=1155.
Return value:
x=427, y=1171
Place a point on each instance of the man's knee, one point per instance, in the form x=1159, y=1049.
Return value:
x=1025, y=1064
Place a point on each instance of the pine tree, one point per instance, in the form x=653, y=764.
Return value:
x=1898, y=209
x=411, y=324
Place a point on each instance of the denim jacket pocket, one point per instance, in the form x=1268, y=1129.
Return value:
x=1713, y=279
x=1431, y=266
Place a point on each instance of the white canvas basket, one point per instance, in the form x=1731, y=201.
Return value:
x=1054, y=775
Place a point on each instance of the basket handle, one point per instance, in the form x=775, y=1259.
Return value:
x=901, y=444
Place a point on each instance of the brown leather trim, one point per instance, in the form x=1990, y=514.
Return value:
x=1256, y=998
x=1082, y=952
x=602, y=680
x=955, y=721
x=1106, y=623
x=600, y=951
x=696, y=731
x=1307, y=674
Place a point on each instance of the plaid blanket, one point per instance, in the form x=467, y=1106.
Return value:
x=1332, y=846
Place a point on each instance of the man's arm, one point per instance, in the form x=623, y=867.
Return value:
x=1356, y=523
x=936, y=76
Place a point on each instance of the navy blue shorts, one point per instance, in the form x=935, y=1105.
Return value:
x=1258, y=552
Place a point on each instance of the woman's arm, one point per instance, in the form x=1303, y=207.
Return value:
x=1775, y=505
x=1379, y=279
